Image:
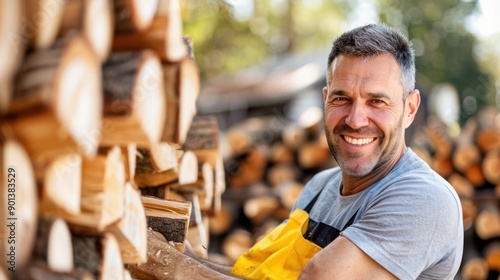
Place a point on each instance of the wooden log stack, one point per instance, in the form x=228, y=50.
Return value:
x=97, y=98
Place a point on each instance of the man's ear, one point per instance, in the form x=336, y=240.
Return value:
x=325, y=93
x=411, y=107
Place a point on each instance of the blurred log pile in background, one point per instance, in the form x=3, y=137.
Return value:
x=97, y=100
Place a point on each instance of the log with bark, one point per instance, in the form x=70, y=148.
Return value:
x=203, y=139
x=93, y=19
x=56, y=106
x=19, y=195
x=53, y=245
x=163, y=34
x=168, y=217
x=98, y=255
x=134, y=99
x=130, y=230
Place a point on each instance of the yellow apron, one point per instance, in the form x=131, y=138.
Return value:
x=282, y=254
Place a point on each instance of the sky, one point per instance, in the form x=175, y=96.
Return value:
x=486, y=22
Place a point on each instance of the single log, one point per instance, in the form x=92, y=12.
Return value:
x=130, y=153
x=56, y=107
x=249, y=170
x=491, y=167
x=163, y=35
x=488, y=140
x=165, y=262
x=281, y=173
x=182, y=87
x=133, y=15
x=492, y=255
x=12, y=45
x=281, y=154
x=259, y=208
x=19, y=195
x=222, y=220
x=53, y=245
x=126, y=275
x=474, y=266
x=130, y=230
x=294, y=136
x=102, y=200
x=239, y=241
x=186, y=173
x=466, y=156
x=487, y=223
x=168, y=217
x=288, y=192
x=42, y=21
x=462, y=186
x=160, y=157
x=203, y=139
x=475, y=175
x=198, y=233
x=441, y=143
x=220, y=183
x=134, y=99
x=442, y=165
x=93, y=19
x=99, y=255
x=61, y=190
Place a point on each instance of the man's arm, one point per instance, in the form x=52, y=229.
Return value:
x=342, y=259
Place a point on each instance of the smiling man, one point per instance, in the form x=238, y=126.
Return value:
x=396, y=218
x=383, y=213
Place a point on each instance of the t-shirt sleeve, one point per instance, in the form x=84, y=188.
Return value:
x=408, y=228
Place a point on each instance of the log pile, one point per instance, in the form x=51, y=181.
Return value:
x=97, y=99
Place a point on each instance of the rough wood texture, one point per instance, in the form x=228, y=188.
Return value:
x=165, y=262
x=53, y=245
x=56, y=106
x=40, y=271
x=18, y=189
x=163, y=34
x=130, y=230
x=93, y=19
x=203, y=139
x=168, y=217
x=134, y=100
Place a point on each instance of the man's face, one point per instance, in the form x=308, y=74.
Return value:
x=365, y=115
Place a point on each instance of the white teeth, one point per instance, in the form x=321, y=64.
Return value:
x=356, y=141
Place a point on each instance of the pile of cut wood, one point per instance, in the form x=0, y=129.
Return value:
x=99, y=139
x=470, y=161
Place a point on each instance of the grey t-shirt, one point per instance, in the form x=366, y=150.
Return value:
x=410, y=222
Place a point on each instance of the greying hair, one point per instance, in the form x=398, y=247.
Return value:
x=374, y=39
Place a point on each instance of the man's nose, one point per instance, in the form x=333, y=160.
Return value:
x=357, y=116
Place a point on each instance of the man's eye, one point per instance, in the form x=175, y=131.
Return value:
x=377, y=101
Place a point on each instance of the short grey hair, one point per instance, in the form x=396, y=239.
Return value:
x=375, y=39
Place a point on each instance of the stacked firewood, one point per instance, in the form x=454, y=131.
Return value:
x=470, y=161
x=99, y=142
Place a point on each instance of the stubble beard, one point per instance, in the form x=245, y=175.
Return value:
x=377, y=159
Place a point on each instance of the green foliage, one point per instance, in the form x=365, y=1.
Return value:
x=444, y=48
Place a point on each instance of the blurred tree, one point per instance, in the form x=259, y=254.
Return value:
x=230, y=35
x=444, y=48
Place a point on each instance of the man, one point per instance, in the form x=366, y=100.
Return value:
x=383, y=213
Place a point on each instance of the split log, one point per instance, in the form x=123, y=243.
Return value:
x=281, y=154
x=56, y=107
x=168, y=217
x=42, y=22
x=12, y=45
x=294, y=136
x=163, y=35
x=165, y=262
x=53, y=245
x=220, y=183
x=281, y=173
x=61, y=189
x=198, y=233
x=102, y=200
x=133, y=15
x=249, y=170
x=130, y=230
x=99, y=255
x=134, y=99
x=93, y=19
x=18, y=192
x=288, y=192
x=126, y=275
x=491, y=166
x=160, y=157
x=203, y=186
x=203, y=139
x=257, y=209
x=187, y=173
x=182, y=87
x=130, y=154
